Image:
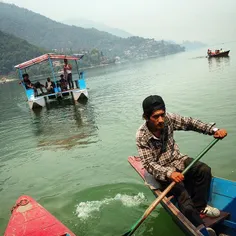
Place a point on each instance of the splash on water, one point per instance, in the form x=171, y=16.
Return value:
x=86, y=209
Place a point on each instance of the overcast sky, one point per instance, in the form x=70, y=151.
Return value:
x=210, y=21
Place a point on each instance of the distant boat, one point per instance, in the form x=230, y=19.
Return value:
x=35, y=100
x=217, y=53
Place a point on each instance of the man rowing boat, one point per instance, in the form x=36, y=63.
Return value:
x=161, y=157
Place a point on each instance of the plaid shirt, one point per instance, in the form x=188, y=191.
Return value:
x=161, y=156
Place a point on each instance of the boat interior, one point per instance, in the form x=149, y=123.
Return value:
x=222, y=195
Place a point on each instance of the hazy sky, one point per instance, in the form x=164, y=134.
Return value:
x=209, y=21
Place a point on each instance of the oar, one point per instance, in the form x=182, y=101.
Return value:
x=163, y=194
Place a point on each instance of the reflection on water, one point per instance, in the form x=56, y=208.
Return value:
x=64, y=125
x=198, y=57
x=66, y=143
x=218, y=63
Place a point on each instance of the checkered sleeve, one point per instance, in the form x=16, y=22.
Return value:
x=189, y=123
x=148, y=160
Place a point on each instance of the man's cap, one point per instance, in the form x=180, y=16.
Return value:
x=25, y=75
x=153, y=103
x=61, y=75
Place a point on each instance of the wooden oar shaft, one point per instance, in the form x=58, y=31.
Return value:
x=154, y=204
x=200, y=155
x=167, y=190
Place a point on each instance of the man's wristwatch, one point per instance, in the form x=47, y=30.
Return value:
x=214, y=130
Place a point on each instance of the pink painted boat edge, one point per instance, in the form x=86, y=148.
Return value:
x=29, y=218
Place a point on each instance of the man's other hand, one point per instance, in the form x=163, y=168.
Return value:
x=177, y=177
x=220, y=134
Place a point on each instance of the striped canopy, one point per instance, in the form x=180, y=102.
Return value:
x=46, y=57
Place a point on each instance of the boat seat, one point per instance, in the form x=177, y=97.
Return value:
x=154, y=184
x=210, y=222
x=151, y=181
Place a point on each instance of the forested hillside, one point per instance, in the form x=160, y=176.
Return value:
x=14, y=51
x=44, y=32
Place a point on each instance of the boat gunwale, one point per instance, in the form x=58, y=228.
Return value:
x=186, y=226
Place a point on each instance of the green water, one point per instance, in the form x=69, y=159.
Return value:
x=73, y=159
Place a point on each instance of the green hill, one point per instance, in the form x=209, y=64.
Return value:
x=14, y=51
x=44, y=32
x=49, y=34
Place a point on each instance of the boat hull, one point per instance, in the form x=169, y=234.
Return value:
x=29, y=218
x=80, y=94
x=221, y=54
x=225, y=223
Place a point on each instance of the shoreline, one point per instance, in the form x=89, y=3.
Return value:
x=9, y=78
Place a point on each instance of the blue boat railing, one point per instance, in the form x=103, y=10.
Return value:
x=30, y=94
x=57, y=89
x=80, y=83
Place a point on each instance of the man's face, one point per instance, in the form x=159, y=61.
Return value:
x=157, y=119
x=25, y=78
x=65, y=61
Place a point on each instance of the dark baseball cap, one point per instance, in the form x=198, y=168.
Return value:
x=25, y=75
x=153, y=103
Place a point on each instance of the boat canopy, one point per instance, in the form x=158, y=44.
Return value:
x=46, y=57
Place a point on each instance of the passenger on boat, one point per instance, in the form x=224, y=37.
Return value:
x=68, y=73
x=28, y=85
x=49, y=85
x=63, y=83
x=161, y=157
x=81, y=74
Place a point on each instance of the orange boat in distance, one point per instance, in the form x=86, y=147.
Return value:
x=217, y=53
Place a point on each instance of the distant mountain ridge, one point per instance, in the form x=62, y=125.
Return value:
x=99, y=47
x=42, y=31
x=99, y=26
x=191, y=45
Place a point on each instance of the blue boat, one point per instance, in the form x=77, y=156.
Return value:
x=40, y=100
x=222, y=195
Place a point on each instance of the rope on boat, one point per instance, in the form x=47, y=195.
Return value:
x=22, y=202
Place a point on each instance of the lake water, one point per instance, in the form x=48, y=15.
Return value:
x=73, y=158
